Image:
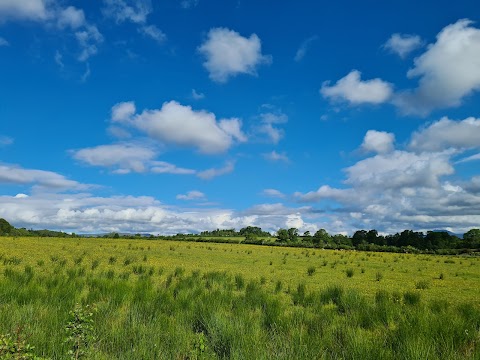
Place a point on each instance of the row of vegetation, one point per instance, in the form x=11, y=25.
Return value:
x=405, y=241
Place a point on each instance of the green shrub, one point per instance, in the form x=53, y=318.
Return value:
x=411, y=297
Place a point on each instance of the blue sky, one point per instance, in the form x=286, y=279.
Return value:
x=188, y=115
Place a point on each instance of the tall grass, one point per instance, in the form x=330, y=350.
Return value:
x=217, y=316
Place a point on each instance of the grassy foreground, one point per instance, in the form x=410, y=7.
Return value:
x=179, y=300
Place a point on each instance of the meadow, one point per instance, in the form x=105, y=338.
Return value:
x=152, y=299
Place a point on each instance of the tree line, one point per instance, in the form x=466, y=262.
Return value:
x=407, y=240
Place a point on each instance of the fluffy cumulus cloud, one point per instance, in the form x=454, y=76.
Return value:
x=192, y=195
x=448, y=71
x=378, y=141
x=125, y=158
x=228, y=54
x=355, y=91
x=446, y=133
x=400, y=169
x=122, y=112
x=407, y=189
x=85, y=213
x=180, y=125
x=23, y=10
x=403, y=44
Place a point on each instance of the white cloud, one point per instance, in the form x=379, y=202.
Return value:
x=268, y=126
x=5, y=140
x=378, y=141
x=23, y=10
x=162, y=167
x=86, y=74
x=474, y=157
x=274, y=134
x=3, y=42
x=135, y=11
x=214, y=172
x=85, y=213
x=153, y=32
x=12, y=174
x=123, y=157
x=197, y=95
x=51, y=14
x=180, y=125
x=355, y=91
x=88, y=39
x=403, y=44
x=187, y=4
x=71, y=17
x=233, y=127
x=302, y=50
x=400, y=191
x=325, y=192
x=448, y=71
x=400, y=169
x=228, y=54
x=59, y=59
x=192, y=195
x=447, y=133
x=274, y=156
x=123, y=111
x=273, y=193
x=118, y=132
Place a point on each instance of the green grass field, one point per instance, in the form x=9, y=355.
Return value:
x=187, y=300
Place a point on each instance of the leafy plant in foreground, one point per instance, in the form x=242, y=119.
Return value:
x=80, y=331
x=15, y=347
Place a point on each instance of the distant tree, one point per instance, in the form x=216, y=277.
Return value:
x=372, y=236
x=340, y=239
x=254, y=230
x=5, y=227
x=440, y=240
x=321, y=237
x=359, y=237
x=282, y=235
x=293, y=234
x=471, y=239
x=116, y=235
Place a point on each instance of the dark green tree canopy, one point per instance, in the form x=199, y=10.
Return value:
x=5, y=227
